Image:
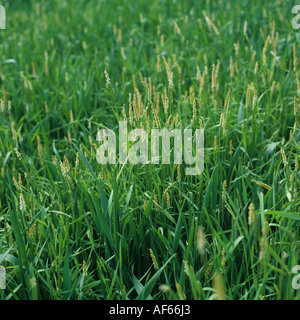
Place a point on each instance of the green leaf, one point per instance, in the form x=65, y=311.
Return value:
x=283, y=214
x=146, y=291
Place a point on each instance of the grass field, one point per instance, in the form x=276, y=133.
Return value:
x=71, y=228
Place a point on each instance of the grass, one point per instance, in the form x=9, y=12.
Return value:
x=71, y=228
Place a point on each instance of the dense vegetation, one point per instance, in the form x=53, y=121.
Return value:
x=71, y=228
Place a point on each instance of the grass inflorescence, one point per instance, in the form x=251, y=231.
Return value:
x=71, y=228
